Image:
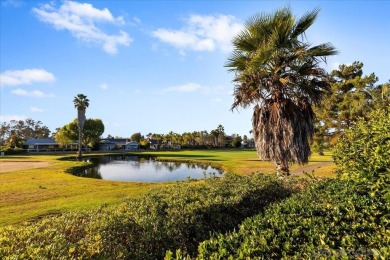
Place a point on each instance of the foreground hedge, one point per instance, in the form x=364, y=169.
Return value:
x=333, y=220
x=177, y=217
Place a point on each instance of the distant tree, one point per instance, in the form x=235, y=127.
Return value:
x=381, y=95
x=63, y=136
x=136, y=137
x=92, y=132
x=204, y=138
x=279, y=73
x=81, y=102
x=53, y=134
x=236, y=144
x=219, y=135
x=16, y=132
x=351, y=97
x=4, y=132
x=187, y=139
x=144, y=143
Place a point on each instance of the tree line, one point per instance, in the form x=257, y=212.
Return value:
x=15, y=132
x=216, y=138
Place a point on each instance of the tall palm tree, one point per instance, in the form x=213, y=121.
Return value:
x=81, y=102
x=279, y=73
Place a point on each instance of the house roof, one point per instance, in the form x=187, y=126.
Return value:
x=34, y=141
x=132, y=143
x=118, y=141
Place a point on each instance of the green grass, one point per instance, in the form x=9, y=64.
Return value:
x=29, y=194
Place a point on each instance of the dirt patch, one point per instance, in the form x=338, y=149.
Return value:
x=310, y=168
x=16, y=166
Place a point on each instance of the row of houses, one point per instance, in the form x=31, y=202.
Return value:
x=50, y=145
x=109, y=144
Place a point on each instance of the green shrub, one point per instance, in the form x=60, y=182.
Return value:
x=12, y=151
x=179, y=216
x=236, y=144
x=363, y=152
x=334, y=219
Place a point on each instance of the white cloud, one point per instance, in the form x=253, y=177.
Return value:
x=36, y=109
x=189, y=87
x=14, y=3
x=81, y=20
x=7, y=118
x=103, y=86
x=33, y=93
x=25, y=77
x=194, y=87
x=202, y=33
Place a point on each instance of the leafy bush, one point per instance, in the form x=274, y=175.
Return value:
x=334, y=219
x=236, y=144
x=363, y=152
x=12, y=151
x=179, y=216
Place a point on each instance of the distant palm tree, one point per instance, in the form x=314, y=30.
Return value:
x=81, y=102
x=279, y=73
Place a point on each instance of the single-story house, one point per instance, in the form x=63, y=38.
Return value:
x=132, y=146
x=113, y=144
x=47, y=145
x=107, y=145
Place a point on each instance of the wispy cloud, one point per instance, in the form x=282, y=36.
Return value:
x=103, y=86
x=25, y=77
x=193, y=87
x=7, y=118
x=13, y=3
x=189, y=87
x=36, y=109
x=33, y=93
x=82, y=20
x=137, y=20
x=202, y=33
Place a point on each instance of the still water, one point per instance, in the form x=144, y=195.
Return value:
x=145, y=169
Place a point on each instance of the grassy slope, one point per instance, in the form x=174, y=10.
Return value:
x=27, y=194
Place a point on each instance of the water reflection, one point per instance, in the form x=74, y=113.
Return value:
x=142, y=168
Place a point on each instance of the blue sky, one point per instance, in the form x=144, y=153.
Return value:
x=156, y=66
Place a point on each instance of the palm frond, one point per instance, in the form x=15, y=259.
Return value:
x=322, y=50
x=237, y=62
x=304, y=23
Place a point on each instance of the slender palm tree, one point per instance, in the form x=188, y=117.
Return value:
x=81, y=102
x=279, y=73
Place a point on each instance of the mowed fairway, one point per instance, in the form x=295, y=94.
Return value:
x=47, y=187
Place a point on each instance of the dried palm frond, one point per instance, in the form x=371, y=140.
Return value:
x=282, y=131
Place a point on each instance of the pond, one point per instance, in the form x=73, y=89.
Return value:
x=145, y=169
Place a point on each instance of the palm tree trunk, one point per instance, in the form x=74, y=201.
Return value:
x=282, y=169
x=80, y=155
